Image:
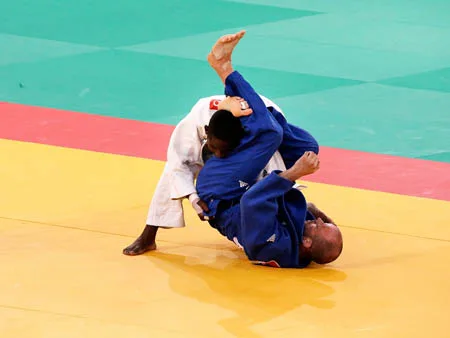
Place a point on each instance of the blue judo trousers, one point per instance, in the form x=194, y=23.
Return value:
x=266, y=217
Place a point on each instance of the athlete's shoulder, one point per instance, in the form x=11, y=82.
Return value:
x=200, y=109
x=206, y=105
x=209, y=100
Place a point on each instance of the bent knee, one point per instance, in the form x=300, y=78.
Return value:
x=314, y=146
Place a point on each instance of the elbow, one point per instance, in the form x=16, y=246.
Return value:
x=315, y=147
x=274, y=135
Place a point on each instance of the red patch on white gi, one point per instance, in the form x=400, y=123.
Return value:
x=271, y=263
x=214, y=104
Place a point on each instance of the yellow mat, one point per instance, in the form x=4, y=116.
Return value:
x=65, y=216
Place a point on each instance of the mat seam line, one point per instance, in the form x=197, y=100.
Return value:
x=128, y=236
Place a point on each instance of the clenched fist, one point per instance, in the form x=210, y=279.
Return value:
x=308, y=164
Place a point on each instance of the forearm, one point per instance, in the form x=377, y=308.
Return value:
x=236, y=85
x=194, y=199
x=317, y=213
x=288, y=175
x=293, y=174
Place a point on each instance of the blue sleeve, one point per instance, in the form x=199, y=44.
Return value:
x=266, y=237
x=261, y=119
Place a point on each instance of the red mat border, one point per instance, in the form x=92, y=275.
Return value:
x=341, y=167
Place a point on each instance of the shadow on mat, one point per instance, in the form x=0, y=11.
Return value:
x=255, y=294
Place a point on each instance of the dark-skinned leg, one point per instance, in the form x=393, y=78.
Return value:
x=145, y=242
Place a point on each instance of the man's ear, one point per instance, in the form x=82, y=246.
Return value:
x=307, y=242
x=206, y=129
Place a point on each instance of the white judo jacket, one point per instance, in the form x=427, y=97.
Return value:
x=184, y=162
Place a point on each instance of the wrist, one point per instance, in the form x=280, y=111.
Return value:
x=193, y=197
x=291, y=174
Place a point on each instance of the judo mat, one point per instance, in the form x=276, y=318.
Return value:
x=89, y=94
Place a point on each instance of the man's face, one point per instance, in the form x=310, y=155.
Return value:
x=218, y=147
x=318, y=228
x=314, y=227
x=322, y=240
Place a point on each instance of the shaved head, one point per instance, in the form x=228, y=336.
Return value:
x=323, y=240
x=327, y=244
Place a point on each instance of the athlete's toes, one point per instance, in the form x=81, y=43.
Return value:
x=130, y=250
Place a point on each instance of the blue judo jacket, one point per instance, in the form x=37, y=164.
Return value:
x=269, y=219
x=273, y=215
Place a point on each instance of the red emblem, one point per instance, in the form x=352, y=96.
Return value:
x=271, y=263
x=214, y=104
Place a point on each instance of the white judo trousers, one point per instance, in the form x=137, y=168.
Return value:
x=184, y=162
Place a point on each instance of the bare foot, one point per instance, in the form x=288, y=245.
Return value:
x=220, y=56
x=145, y=242
x=223, y=48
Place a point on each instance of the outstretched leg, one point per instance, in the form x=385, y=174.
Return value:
x=241, y=167
x=296, y=141
x=235, y=85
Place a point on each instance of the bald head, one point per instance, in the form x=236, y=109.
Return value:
x=324, y=241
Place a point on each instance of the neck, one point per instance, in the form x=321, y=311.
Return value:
x=305, y=252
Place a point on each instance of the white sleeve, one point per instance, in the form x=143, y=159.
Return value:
x=184, y=152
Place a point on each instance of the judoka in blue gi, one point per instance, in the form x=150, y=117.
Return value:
x=270, y=218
